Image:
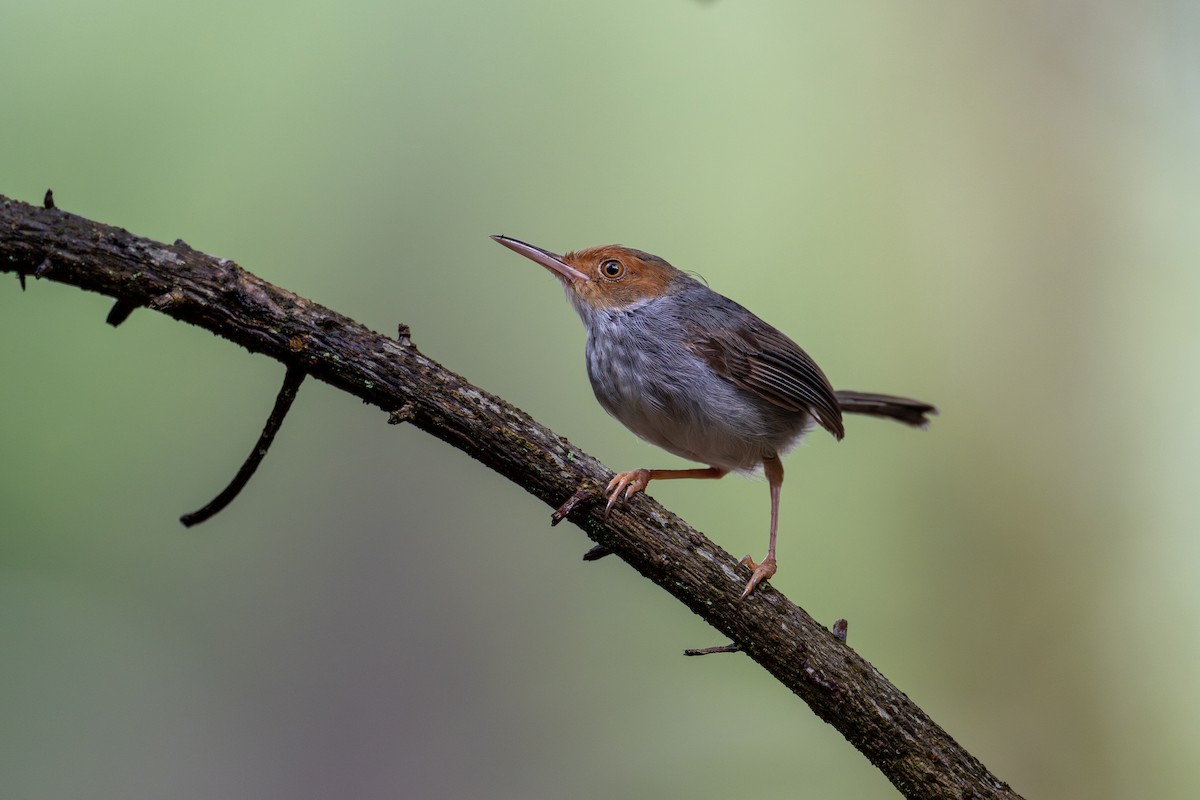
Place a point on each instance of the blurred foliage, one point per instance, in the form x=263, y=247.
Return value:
x=990, y=206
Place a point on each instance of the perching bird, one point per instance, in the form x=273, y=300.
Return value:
x=697, y=374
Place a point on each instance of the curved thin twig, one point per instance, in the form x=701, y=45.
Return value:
x=283, y=403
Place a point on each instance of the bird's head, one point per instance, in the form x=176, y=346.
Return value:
x=609, y=277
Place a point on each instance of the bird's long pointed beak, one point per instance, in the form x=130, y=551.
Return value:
x=550, y=261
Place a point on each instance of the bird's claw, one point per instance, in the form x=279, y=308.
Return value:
x=625, y=485
x=759, y=573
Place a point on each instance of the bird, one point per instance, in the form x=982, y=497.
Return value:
x=691, y=371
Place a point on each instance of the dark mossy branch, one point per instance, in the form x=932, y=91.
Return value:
x=915, y=754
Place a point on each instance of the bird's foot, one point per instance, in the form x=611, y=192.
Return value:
x=625, y=485
x=760, y=572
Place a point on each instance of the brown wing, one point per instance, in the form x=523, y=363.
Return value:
x=760, y=359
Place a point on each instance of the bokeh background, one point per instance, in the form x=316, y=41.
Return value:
x=991, y=206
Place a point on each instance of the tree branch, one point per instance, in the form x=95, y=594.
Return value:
x=915, y=754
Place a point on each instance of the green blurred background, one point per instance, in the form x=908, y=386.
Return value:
x=989, y=206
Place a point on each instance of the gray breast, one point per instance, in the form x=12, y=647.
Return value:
x=643, y=373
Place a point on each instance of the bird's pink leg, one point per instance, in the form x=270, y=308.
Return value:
x=626, y=484
x=773, y=468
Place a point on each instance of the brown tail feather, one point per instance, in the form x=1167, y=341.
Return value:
x=901, y=409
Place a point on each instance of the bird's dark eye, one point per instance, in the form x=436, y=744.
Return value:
x=612, y=269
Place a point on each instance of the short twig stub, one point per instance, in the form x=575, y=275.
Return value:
x=732, y=647
x=584, y=494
